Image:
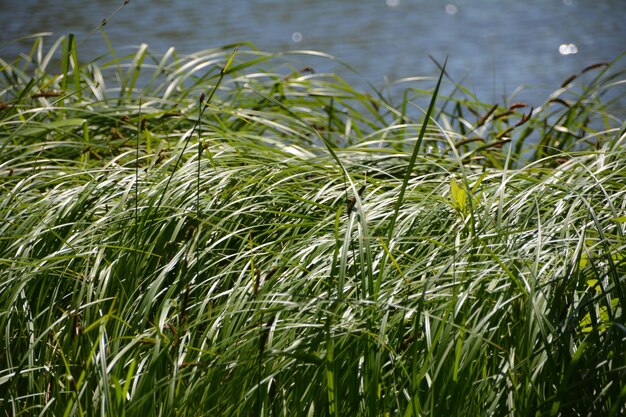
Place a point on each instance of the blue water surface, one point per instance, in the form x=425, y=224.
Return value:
x=493, y=46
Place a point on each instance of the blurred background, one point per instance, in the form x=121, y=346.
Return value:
x=493, y=46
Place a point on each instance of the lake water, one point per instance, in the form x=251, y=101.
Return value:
x=493, y=46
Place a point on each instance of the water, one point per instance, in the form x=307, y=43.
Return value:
x=493, y=46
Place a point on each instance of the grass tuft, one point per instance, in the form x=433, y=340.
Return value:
x=289, y=245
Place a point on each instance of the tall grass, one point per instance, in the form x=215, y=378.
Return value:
x=285, y=246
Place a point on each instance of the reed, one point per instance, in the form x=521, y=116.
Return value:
x=317, y=260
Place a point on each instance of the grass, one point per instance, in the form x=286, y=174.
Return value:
x=225, y=234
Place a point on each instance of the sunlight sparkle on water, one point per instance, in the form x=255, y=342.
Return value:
x=568, y=49
x=296, y=37
x=393, y=3
x=451, y=9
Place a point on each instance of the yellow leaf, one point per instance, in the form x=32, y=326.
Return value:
x=592, y=282
x=459, y=195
